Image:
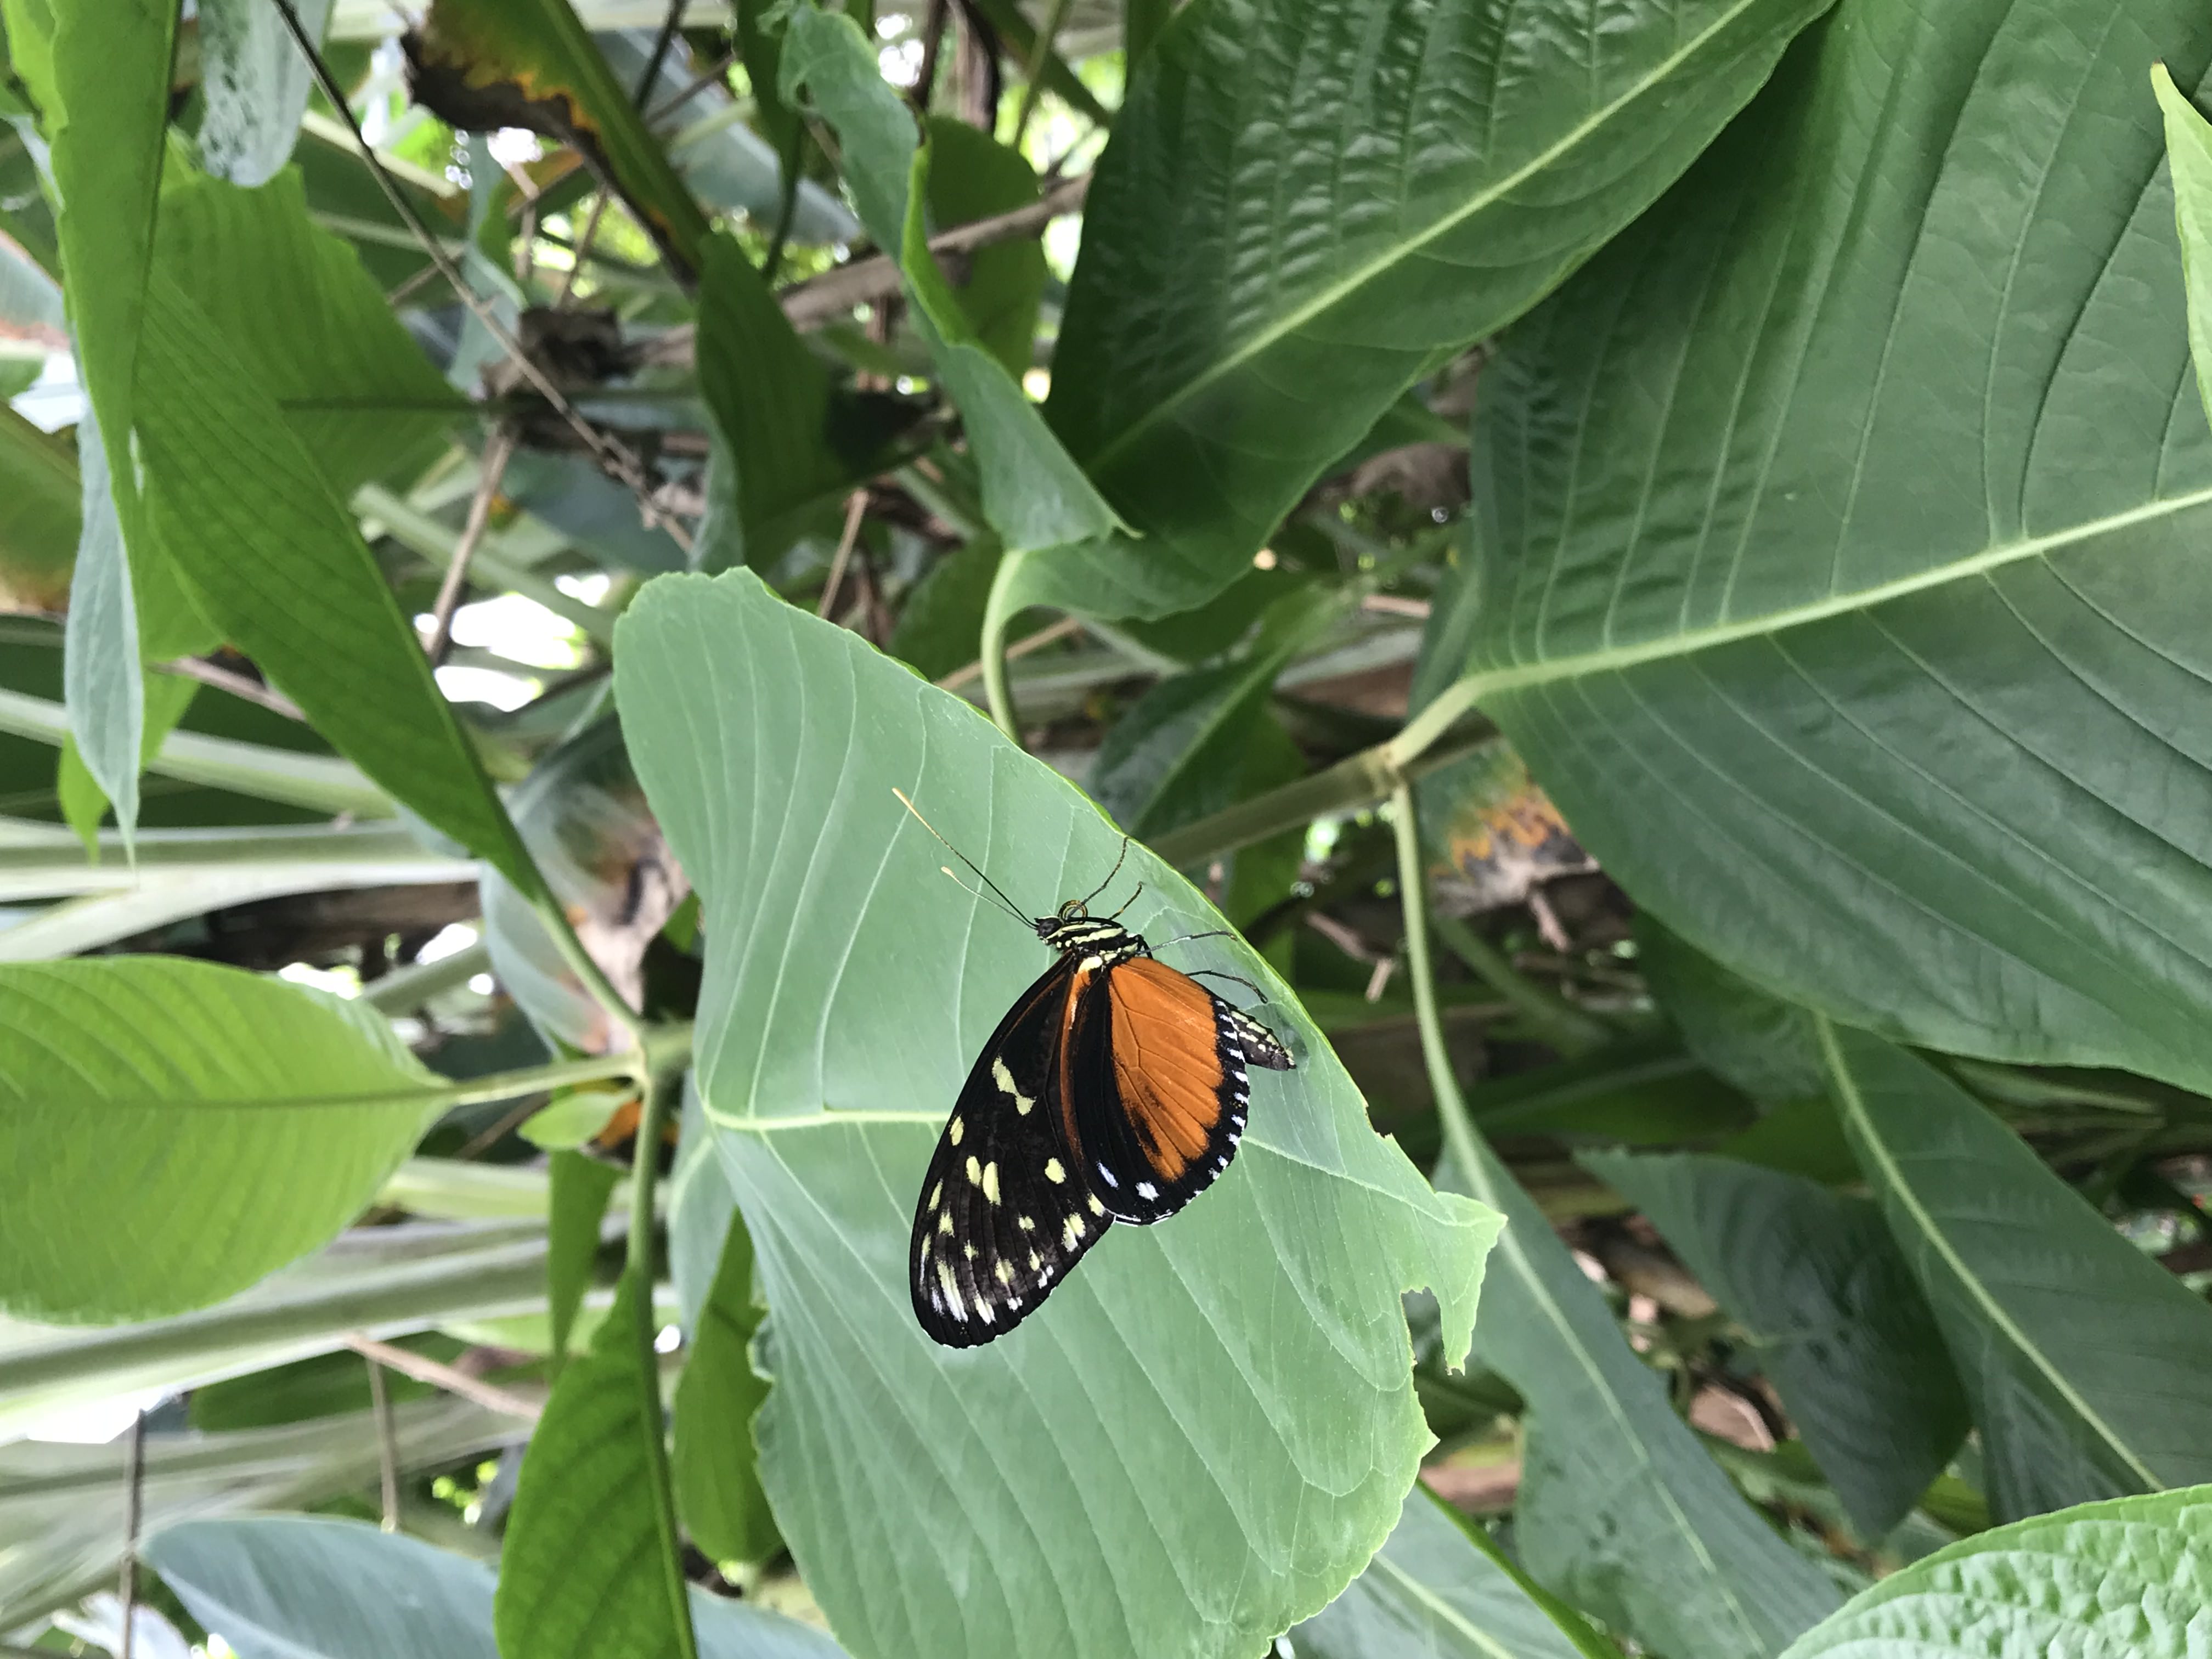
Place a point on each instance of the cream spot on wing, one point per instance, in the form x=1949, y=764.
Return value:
x=936, y=1194
x=945, y=1222
x=955, y=1130
x=991, y=1182
x=1096, y=1209
x=1004, y=1080
x=952, y=1290
x=1027, y=1224
x=1036, y=1261
x=975, y=1173
x=1005, y=1273
x=1054, y=1171
x=1072, y=1231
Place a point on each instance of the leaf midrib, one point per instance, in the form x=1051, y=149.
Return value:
x=1999, y=1319
x=1471, y=688
x=1441, y=1608
x=1396, y=254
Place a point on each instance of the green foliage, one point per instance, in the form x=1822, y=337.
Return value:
x=1736, y=464
x=194, y=1126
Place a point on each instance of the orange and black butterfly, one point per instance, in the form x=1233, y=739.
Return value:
x=1113, y=1090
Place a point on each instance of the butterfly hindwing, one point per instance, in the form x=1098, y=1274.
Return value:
x=1156, y=1073
x=1005, y=1212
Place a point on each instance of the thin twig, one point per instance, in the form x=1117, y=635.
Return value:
x=134, y=1494
x=932, y=41
x=854, y=508
x=1021, y=648
x=669, y=24
x=1040, y=54
x=692, y=89
x=387, y=1448
x=497, y=454
x=581, y=250
x=613, y=455
x=438, y=1375
x=230, y=680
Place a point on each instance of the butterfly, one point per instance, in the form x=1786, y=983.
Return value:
x=1115, y=1089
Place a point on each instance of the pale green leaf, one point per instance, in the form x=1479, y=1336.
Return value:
x=1251, y=1357
x=1842, y=539
x=1304, y=209
x=2189, y=151
x=2085, y=1359
x=2130, y=1578
x=190, y=1127
x=254, y=84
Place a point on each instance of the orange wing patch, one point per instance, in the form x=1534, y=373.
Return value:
x=1167, y=1063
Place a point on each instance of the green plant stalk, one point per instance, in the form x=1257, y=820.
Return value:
x=1551, y=1017
x=645, y=1169
x=998, y=615
x=1461, y=1140
x=411, y=988
x=416, y=529
x=1033, y=72
x=321, y=783
x=786, y=207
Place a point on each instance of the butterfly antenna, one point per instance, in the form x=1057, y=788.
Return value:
x=1110, y=874
x=1013, y=909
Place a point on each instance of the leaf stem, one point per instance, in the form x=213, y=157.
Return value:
x=1566, y=1027
x=1460, y=1140
x=645, y=1169
x=998, y=616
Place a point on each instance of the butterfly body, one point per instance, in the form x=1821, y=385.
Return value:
x=1115, y=1089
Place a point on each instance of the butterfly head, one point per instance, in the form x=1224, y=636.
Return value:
x=1073, y=930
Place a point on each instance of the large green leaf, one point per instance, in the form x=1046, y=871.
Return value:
x=1843, y=524
x=278, y=561
x=1837, y=1321
x=193, y=1127
x=2085, y=1359
x=973, y=176
x=307, y=1587
x=1033, y=493
x=581, y=1572
x=1304, y=207
x=1620, y=1510
x=2126, y=1579
x=313, y=328
x=1208, y=1430
x=1440, y=1589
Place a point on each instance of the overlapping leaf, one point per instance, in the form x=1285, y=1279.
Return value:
x=192, y=1127
x=2084, y=1359
x=1842, y=577
x=1209, y=1427
x=1304, y=207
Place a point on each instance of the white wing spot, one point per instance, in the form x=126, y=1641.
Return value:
x=1054, y=1172
x=952, y=1292
x=975, y=1173
x=1004, y=1080
x=991, y=1182
x=1145, y=1189
x=1107, y=1176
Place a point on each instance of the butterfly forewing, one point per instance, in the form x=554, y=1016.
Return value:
x=1005, y=1210
x=1158, y=1088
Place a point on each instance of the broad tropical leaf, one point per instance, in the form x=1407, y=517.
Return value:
x=2125, y=1579
x=2084, y=1359
x=1842, y=573
x=1304, y=209
x=193, y=1127
x=1209, y=1428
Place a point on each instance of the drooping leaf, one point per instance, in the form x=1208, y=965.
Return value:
x=581, y=1572
x=1033, y=493
x=308, y=322
x=102, y=681
x=254, y=82
x=1845, y=602
x=484, y=65
x=2083, y=1358
x=2125, y=1579
x=1837, y=1321
x=272, y=555
x=308, y=1587
x=973, y=176
x=2189, y=151
x=716, y=1465
x=1766, y=1046
x=38, y=516
x=190, y=1129
x=1250, y=1356
x=1439, y=1588
x=1245, y=308
x=1620, y=1511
